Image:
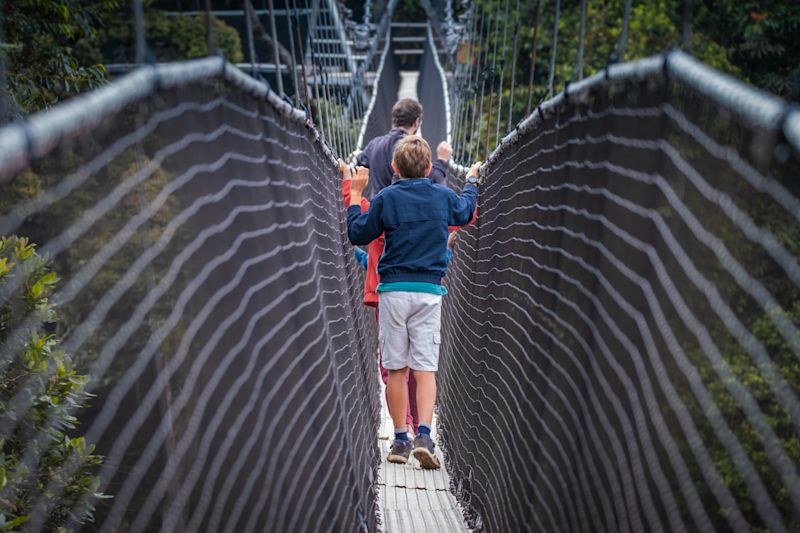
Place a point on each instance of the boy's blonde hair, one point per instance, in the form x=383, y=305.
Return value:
x=412, y=157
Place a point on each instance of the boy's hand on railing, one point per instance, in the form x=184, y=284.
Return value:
x=444, y=151
x=359, y=183
x=360, y=180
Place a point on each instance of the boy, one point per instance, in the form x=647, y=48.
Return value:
x=414, y=213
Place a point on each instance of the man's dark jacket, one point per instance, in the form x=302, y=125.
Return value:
x=377, y=157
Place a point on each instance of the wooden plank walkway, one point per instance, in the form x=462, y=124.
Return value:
x=413, y=499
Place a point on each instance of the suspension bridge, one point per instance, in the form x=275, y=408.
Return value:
x=620, y=338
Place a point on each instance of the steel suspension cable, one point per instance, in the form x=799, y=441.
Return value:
x=474, y=75
x=337, y=66
x=139, y=32
x=298, y=102
x=554, y=50
x=477, y=115
x=301, y=49
x=468, y=87
x=515, y=49
x=623, y=35
x=209, y=31
x=492, y=78
x=536, y=17
x=686, y=25
x=275, y=47
x=325, y=54
x=581, y=38
x=502, y=75
x=251, y=48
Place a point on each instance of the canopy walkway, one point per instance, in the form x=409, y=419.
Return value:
x=620, y=338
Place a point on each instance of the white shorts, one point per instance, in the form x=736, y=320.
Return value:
x=410, y=330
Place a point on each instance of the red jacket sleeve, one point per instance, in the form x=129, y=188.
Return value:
x=346, y=194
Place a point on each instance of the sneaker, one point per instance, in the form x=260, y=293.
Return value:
x=400, y=451
x=424, y=453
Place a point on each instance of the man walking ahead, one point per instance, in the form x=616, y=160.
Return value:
x=414, y=213
x=377, y=155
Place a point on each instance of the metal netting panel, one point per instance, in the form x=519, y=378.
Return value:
x=209, y=293
x=620, y=348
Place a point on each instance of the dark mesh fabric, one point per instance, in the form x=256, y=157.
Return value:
x=379, y=119
x=620, y=346
x=210, y=293
x=431, y=95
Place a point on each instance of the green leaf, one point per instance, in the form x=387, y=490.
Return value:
x=36, y=290
x=18, y=521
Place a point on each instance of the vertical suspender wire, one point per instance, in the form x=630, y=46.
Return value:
x=554, y=50
x=458, y=91
x=581, y=37
x=251, y=47
x=484, y=77
x=348, y=102
x=275, y=44
x=472, y=83
x=536, y=17
x=491, y=76
x=328, y=66
x=502, y=77
x=293, y=48
x=330, y=60
x=323, y=64
x=513, y=69
x=314, y=72
x=5, y=96
x=456, y=94
x=474, y=80
x=319, y=79
x=686, y=25
x=138, y=28
x=623, y=35
x=466, y=86
x=209, y=33
x=334, y=88
x=482, y=81
x=306, y=93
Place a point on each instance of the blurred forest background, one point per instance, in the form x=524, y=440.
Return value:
x=54, y=49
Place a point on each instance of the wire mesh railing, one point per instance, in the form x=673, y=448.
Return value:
x=208, y=295
x=621, y=344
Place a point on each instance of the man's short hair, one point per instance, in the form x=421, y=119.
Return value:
x=412, y=156
x=405, y=112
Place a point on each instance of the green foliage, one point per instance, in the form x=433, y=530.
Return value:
x=754, y=41
x=39, y=391
x=56, y=49
x=47, y=49
x=171, y=38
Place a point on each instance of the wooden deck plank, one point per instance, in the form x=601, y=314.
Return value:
x=412, y=498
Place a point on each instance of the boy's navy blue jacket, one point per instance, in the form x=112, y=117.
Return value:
x=377, y=157
x=414, y=214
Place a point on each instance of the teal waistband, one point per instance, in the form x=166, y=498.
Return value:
x=412, y=286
